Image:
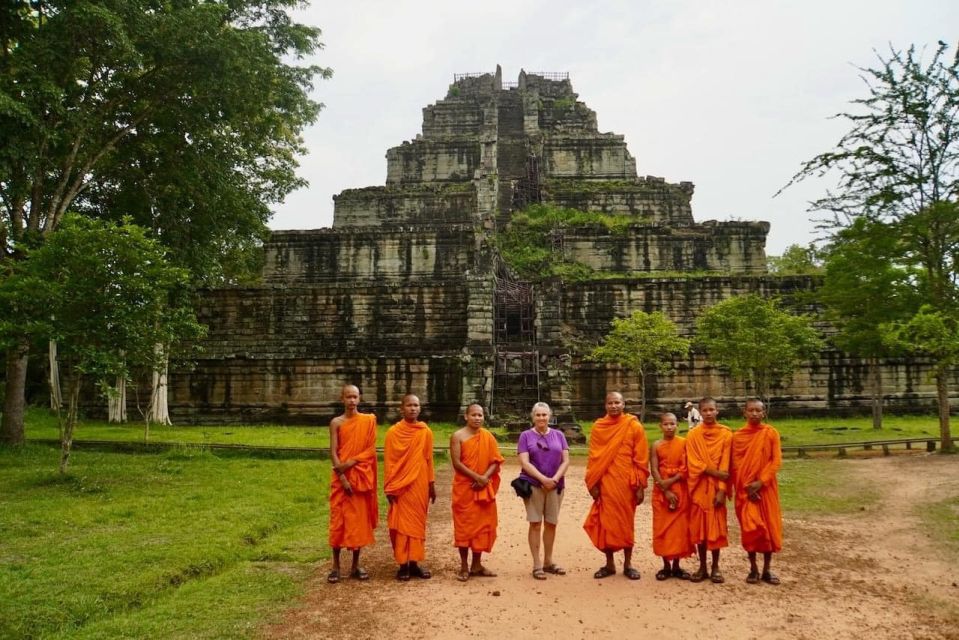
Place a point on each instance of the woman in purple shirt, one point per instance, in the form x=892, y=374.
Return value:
x=544, y=456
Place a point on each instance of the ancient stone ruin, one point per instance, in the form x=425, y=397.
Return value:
x=408, y=291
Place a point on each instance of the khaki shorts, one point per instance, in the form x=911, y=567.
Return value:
x=543, y=505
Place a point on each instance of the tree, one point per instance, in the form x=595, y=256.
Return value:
x=643, y=343
x=108, y=297
x=796, y=260
x=936, y=335
x=901, y=153
x=863, y=265
x=899, y=165
x=756, y=341
x=186, y=115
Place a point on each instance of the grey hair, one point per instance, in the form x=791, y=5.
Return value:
x=540, y=405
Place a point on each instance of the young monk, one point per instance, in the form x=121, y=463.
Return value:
x=756, y=459
x=409, y=487
x=670, y=500
x=707, y=463
x=353, y=506
x=616, y=473
x=476, y=461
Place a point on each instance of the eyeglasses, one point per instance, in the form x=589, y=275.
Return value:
x=541, y=445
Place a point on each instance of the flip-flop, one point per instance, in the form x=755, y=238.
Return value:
x=604, y=572
x=752, y=578
x=631, y=573
x=463, y=576
x=770, y=578
x=555, y=569
x=699, y=576
x=681, y=574
x=717, y=577
x=359, y=574
x=483, y=573
x=539, y=574
x=403, y=575
x=664, y=574
x=333, y=577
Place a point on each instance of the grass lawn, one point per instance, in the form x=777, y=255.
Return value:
x=175, y=544
x=941, y=519
x=822, y=486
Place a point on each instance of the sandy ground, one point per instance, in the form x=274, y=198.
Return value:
x=871, y=575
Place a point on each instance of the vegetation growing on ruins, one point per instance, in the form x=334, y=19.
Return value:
x=526, y=244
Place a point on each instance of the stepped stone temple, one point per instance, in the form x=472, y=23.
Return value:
x=407, y=292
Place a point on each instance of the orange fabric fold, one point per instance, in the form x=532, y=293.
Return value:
x=408, y=472
x=671, y=526
x=619, y=462
x=707, y=446
x=353, y=518
x=474, y=511
x=757, y=456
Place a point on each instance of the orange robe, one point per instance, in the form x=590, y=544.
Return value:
x=757, y=456
x=408, y=472
x=707, y=446
x=474, y=511
x=619, y=462
x=671, y=526
x=353, y=518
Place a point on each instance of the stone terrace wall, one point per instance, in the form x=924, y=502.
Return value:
x=738, y=247
x=380, y=253
x=590, y=155
x=408, y=204
x=433, y=160
x=652, y=199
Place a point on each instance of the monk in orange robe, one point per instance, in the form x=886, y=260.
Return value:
x=707, y=463
x=670, y=500
x=757, y=457
x=476, y=461
x=616, y=473
x=409, y=486
x=353, y=505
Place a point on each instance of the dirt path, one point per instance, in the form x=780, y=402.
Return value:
x=870, y=575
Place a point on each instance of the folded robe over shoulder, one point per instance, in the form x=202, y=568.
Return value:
x=671, y=526
x=619, y=462
x=474, y=511
x=353, y=518
x=757, y=456
x=707, y=446
x=408, y=472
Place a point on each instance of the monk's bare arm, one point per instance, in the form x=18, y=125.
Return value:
x=338, y=467
x=654, y=465
x=456, y=455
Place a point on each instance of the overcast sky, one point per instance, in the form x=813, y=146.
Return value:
x=731, y=96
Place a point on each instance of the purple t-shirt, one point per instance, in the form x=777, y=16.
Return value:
x=545, y=453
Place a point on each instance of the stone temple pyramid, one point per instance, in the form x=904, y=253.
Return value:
x=410, y=290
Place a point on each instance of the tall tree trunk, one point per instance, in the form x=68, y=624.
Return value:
x=159, y=411
x=56, y=395
x=942, y=390
x=11, y=427
x=876, y=366
x=117, y=402
x=66, y=429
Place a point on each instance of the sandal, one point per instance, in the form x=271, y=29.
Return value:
x=717, y=577
x=463, y=576
x=333, y=577
x=663, y=574
x=699, y=576
x=555, y=569
x=631, y=573
x=359, y=574
x=539, y=574
x=752, y=578
x=770, y=578
x=416, y=571
x=604, y=572
x=403, y=575
x=681, y=574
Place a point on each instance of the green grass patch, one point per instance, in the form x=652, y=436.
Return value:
x=941, y=519
x=178, y=544
x=823, y=486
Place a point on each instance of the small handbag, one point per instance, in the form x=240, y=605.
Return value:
x=522, y=487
